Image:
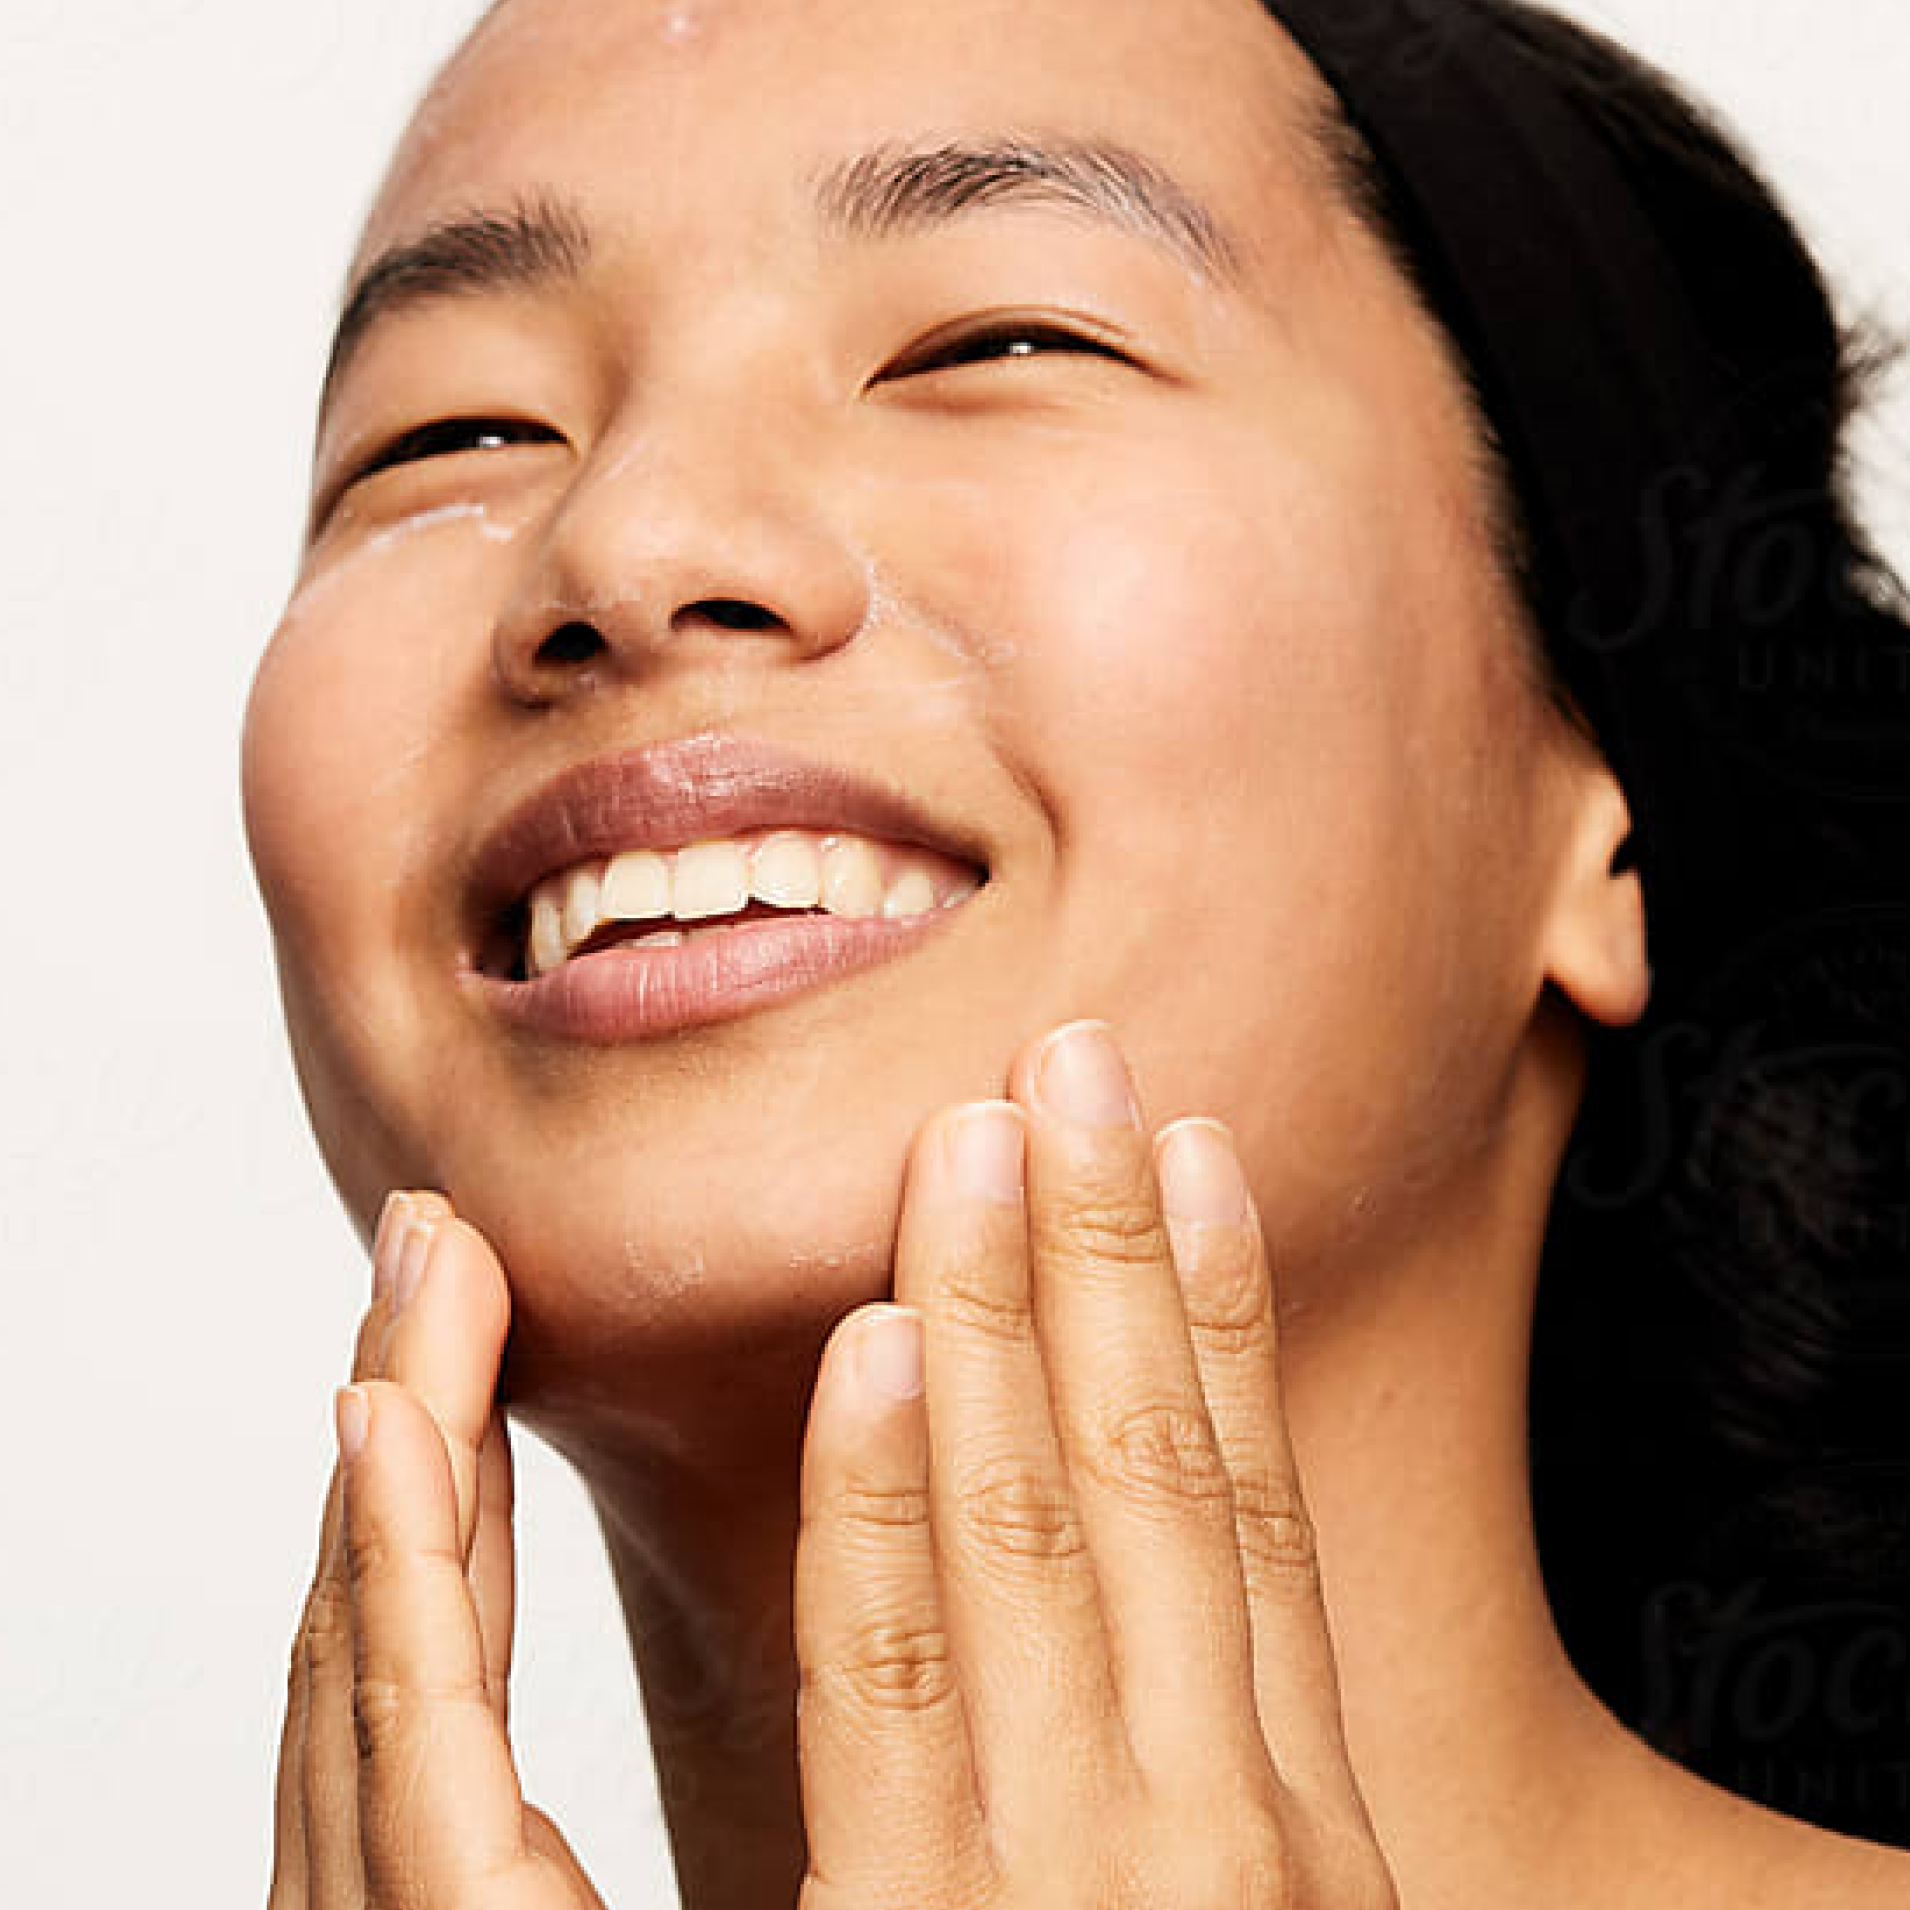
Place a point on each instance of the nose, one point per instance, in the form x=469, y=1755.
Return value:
x=660, y=550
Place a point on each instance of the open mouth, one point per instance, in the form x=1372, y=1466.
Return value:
x=652, y=899
x=618, y=981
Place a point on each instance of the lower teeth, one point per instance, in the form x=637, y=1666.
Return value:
x=674, y=938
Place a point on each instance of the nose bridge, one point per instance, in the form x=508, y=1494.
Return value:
x=704, y=504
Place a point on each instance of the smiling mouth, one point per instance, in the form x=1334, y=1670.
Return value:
x=625, y=981
x=661, y=900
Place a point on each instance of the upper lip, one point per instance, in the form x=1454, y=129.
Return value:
x=689, y=790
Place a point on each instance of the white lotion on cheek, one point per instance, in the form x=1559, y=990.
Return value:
x=409, y=527
x=888, y=605
x=393, y=536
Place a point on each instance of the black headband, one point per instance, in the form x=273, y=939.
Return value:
x=1615, y=413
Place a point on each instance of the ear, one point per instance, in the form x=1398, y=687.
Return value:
x=1594, y=944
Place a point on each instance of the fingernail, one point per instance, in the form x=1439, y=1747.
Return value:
x=387, y=1241
x=412, y=1261
x=984, y=1152
x=1080, y=1075
x=1200, y=1172
x=889, y=1353
x=352, y=1418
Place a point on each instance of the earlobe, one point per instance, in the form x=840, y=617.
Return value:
x=1595, y=945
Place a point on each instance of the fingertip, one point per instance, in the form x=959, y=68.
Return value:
x=484, y=1292
x=886, y=1358
x=429, y=1204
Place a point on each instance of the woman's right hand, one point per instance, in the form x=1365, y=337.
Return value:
x=396, y=1785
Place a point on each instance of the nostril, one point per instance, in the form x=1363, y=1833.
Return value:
x=571, y=643
x=732, y=614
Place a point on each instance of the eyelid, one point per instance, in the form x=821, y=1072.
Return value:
x=394, y=451
x=403, y=447
x=1067, y=335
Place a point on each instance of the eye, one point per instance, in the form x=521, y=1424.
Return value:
x=447, y=435
x=984, y=344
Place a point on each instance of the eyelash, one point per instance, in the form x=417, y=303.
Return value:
x=445, y=436
x=971, y=347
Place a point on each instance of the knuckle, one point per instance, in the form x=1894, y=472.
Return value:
x=1096, y=1226
x=389, y=1713
x=1276, y=1535
x=1229, y=1308
x=378, y=1718
x=893, y=1667
x=374, y=1560
x=367, y=1560
x=967, y=1300
x=1162, y=1453
x=324, y=1642
x=879, y=1510
x=1023, y=1513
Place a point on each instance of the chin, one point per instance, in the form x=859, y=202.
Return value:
x=684, y=1334
x=637, y=1272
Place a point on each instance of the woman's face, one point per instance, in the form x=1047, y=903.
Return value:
x=1189, y=628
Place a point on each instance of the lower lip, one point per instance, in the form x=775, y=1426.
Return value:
x=627, y=993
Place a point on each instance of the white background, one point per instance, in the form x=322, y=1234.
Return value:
x=185, y=181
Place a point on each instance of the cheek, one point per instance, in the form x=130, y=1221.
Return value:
x=1231, y=681
x=348, y=740
x=351, y=708
x=1193, y=633
x=310, y=729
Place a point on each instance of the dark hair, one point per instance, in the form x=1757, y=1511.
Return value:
x=1720, y=1415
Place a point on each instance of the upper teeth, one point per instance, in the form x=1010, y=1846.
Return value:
x=791, y=868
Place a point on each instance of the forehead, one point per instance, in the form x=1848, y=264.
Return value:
x=664, y=103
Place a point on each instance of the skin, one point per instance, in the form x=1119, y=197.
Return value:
x=1022, y=588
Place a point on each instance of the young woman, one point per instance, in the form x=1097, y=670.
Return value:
x=1128, y=614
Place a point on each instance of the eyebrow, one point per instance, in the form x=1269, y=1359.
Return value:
x=532, y=243
x=888, y=192
x=896, y=190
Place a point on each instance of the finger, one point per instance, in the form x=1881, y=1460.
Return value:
x=1135, y=1435
x=1018, y=1587
x=451, y=1313
x=440, y=1808
x=886, y=1776
x=409, y=1214
x=321, y=1782
x=328, y=1787
x=1225, y=1276
x=446, y=1345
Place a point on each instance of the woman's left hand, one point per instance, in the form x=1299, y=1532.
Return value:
x=1059, y=1617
